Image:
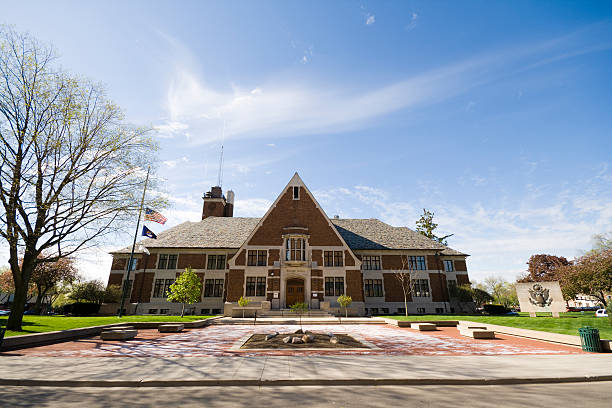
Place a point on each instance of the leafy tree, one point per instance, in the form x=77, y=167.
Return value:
x=602, y=241
x=502, y=291
x=7, y=286
x=88, y=292
x=187, y=288
x=426, y=226
x=112, y=294
x=543, y=268
x=70, y=168
x=345, y=301
x=48, y=275
x=243, y=302
x=477, y=295
x=590, y=274
x=299, y=308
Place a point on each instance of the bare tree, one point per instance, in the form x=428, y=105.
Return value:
x=405, y=280
x=71, y=170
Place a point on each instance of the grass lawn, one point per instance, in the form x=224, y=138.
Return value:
x=569, y=323
x=39, y=324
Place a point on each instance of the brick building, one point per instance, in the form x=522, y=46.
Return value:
x=295, y=253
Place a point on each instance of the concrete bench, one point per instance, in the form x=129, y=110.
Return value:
x=118, y=334
x=423, y=326
x=479, y=334
x=171, y=328
x=464, y=330
x=126, y=327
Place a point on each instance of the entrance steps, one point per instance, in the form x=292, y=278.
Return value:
x=292, y=314
x=295, y=320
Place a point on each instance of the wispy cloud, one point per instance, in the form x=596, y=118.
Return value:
x=293, y=107
x=413, y=21
x=500, y=237
x=370, y=19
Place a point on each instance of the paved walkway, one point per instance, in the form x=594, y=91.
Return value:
x=303, y=370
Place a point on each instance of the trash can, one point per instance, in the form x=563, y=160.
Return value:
x=589, y=338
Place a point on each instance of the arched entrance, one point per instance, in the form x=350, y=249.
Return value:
x=294, y=291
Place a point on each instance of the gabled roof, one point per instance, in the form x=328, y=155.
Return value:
x=375, y=234
x=211, y=232
x=232, y=232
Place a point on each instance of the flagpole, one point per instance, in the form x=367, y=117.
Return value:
x=129, y=265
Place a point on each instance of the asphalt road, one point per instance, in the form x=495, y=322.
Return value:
x=595, y=394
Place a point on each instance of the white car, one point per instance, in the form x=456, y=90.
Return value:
x=601, y=313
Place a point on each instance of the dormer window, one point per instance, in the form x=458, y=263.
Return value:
x=296, y=193
x=296, y=249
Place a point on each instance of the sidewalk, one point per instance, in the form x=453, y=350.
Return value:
x=303, y=370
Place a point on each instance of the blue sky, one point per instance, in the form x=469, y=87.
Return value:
x=495, y=115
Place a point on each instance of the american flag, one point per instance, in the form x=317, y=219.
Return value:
x=152, y=215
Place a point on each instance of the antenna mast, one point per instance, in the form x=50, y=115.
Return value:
x=220, y=180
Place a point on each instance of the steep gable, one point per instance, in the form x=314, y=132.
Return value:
x=301, y=214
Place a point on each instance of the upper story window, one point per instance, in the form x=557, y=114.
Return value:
x=296, y=249
x=333, y=258
x=216, y=262
x=416, y=263
x=296, y=193
x=370, y=263
x=167, y=261
x=448, y=265
x=257, y=257
x=134, y=265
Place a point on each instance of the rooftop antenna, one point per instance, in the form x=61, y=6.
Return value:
x=220, y=180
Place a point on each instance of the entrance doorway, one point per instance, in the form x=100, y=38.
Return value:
x=295, y=291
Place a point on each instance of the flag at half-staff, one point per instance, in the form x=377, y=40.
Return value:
x=148, y=233
x=152, y=215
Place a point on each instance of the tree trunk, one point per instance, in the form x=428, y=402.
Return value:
x=183, y=310
x=405, y=304
x=16, y=317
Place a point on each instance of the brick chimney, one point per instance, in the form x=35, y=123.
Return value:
x=215, y=204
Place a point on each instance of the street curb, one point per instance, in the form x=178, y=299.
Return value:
x=302, y=382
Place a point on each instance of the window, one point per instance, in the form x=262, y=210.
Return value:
x=334, y=286
x=420, y=288
x=216, y=262
x=374, y=311
x=257, y=258
x=416, y=263
x=296, y=193
x=439, y=310
x=152, y=311
x=421, y=310
x=296, y=249
x=213, y=288
x=370, y=263
x=333, y=258
x=167, y=261
x=164, y=311
x=401, y=310
x=256, y=286
x=134, y=265
x=448, y=265
x=385, y=310
x=161, y=287
x=373, y=287
x=204, y=311
x=215, y=311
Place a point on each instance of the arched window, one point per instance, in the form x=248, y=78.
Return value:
x=296, y=249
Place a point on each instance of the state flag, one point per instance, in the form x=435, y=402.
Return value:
x=148, y=233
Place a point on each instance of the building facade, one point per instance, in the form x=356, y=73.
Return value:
x=294, y=253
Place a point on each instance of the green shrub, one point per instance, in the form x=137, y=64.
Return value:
x=81, y=309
